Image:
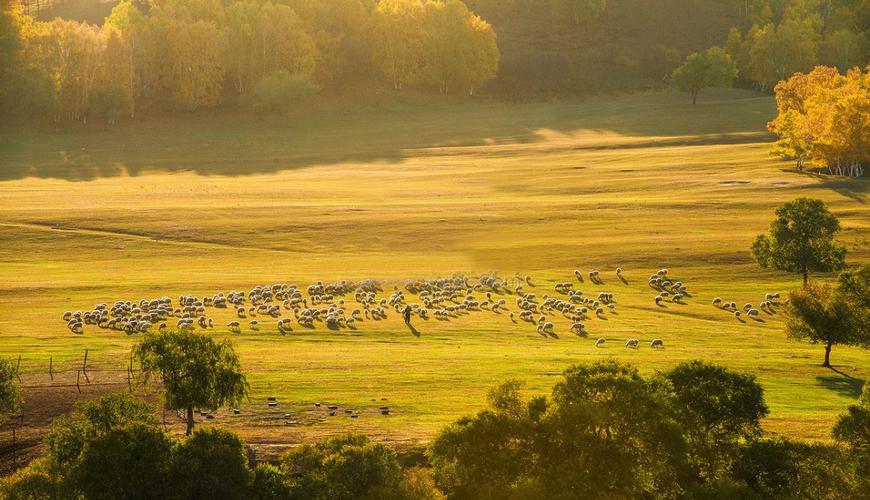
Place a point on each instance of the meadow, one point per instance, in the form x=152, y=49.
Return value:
x=392, y=191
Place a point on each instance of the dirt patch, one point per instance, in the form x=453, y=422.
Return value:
x=733, y=183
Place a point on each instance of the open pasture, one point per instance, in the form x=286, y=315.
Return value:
x=392, y=192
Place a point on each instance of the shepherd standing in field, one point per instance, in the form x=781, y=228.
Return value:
x=407, y=315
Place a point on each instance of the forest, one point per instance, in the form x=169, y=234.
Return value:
x=267, y=56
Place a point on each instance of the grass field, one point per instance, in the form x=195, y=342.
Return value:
x=392, y=192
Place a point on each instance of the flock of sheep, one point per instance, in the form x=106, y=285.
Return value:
x=769, y=305
x=345, y=305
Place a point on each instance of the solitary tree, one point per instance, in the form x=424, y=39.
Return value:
x=8, y=388
x=818, y=314
x=801, y=240
x=197, y=372
x=711, y=68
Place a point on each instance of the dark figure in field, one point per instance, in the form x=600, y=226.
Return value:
x=407, y=315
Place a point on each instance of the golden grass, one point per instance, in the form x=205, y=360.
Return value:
x=641, y=182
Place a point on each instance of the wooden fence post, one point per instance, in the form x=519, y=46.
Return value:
x=18, y=369
x=85, y=367
x=78, y=373
x=51, y=367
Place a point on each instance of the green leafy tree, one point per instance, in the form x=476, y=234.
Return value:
x=343, y=467
x=210, y=463
x=269, y=483
x=818, y=314
x=610, y=429
x=801, y=240
x=91, y=420
x=196, y=371
x=605, y=429
x=9, y=391
x=717, y=409
x=39, y=479
x=489, y=455
x=853, y=427
x=128, y=462
x=711, y=68
x=854, y=284
x=779, y=468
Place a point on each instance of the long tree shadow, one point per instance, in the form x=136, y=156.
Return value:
x=229, y=143
x=842, y=384
x=851, y=187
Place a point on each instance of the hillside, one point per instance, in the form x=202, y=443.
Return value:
x=201, y=205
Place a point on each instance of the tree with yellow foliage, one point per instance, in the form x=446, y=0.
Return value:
x=461, y=48
x=396, y=36
x=824, y=117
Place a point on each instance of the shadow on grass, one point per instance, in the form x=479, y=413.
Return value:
x=229, y=143
x=856, y=188
x=842, y=384
x=413, y=330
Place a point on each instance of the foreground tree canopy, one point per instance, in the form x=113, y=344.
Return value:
x=801, y=240
x=605, y=431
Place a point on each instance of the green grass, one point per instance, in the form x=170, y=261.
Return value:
x=388, y=191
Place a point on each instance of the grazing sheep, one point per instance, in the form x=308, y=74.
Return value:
x=254, y=324
x=753, y=313
x=600, y=342
x=717, y=301
x=234, y=327
x=632, y=343
x=737, y=314
x=657, y=343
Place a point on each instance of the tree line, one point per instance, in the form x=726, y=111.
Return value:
x=790, y=36
x=191, y=54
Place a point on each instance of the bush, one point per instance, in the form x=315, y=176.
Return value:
x=269, y=483
x=779, y=468
x=93, y=419
x=280, y=92
x=125, y=463
x=211, y=463
x=344, y=467
x=417, y=484
x=37, y=481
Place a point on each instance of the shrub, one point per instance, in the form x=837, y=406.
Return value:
x=211, y=463
x=280, y=92
x=129, y=463
x=348, y=466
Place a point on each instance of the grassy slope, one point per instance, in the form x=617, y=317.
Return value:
x=393, y=192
